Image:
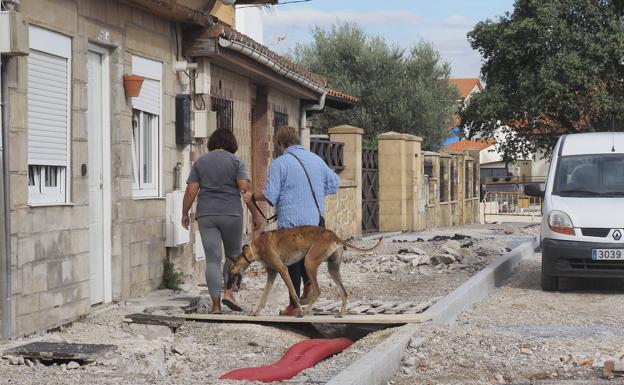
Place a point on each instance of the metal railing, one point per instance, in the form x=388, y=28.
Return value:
x=330, y=152
x=511, y=206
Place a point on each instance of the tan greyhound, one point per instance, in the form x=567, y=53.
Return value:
x=278, y=249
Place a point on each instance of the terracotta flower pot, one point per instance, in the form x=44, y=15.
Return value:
x=132, y=85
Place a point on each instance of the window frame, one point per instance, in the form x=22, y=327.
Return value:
x=278, y=117
x=141, y=188
x=150, y=69
x=56, y=44
x=39, y=193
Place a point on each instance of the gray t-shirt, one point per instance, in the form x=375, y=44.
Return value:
x=218, y=173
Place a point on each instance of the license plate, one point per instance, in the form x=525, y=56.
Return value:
x=608, y=254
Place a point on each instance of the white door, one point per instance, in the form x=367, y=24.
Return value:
x=98, y=172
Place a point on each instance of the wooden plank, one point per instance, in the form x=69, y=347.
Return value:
x=395, y=319
x=61, y=351
x=152, y=319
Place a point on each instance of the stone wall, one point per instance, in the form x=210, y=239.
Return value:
x=341, y=209
x=50, y=245
x=408, y=200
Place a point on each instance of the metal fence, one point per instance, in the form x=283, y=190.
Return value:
x=330, y=152
x=511, y=206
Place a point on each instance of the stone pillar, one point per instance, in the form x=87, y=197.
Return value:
x=413, y=180
x=352, y=160
x=392, y=181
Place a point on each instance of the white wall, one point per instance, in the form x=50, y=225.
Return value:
x=489, y=155
x=249, y=22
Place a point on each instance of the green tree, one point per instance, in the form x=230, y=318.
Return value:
x=551, y=67
x=399, y=90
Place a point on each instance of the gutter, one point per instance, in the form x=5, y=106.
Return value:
x=5, y=209
x=272, y=64
x=283, y=71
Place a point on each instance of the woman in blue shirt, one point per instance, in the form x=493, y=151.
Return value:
x=289, y=191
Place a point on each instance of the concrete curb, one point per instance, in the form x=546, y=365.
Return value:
x=379, y=365
x=480, y=286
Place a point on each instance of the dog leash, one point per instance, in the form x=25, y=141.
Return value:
x=268, y=220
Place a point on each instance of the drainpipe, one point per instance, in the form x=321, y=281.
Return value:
x=5, y=209
x=303, y=115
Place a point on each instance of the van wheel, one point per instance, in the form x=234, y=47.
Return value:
x=549, y=282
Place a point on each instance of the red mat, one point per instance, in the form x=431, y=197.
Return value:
x=299, y=357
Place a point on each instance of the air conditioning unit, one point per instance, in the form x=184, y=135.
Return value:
x=502, y=180
x=176, y=235
x=13, y=34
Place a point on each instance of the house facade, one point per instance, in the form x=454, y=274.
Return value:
x=91, y=176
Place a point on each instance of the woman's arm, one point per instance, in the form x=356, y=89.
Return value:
x=244, y=185
x=258, y=195
x=189, y=197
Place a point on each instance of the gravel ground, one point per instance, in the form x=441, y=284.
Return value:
x=385, y=276
x=522, y=334
x=198, y=353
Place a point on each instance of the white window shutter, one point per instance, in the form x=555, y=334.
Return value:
x=149, y=99
x=48, y=109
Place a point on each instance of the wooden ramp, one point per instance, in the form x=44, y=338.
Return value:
x=378, y=319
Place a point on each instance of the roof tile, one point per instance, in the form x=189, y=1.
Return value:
x=464, y=145
x=465, y=85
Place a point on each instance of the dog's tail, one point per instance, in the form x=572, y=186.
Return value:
x=350, y=246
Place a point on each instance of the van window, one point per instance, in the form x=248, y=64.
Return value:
x=590, y=175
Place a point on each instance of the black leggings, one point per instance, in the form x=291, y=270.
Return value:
x=297, y=272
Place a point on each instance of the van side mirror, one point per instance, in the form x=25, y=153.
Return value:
x=533, y=190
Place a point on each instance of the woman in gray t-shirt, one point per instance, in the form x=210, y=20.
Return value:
x=220, y=177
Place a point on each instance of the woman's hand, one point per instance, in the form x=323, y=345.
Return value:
x=248, y=196
x=186, y=221
x=257, y=223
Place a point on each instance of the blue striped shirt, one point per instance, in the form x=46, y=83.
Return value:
x=288, y=189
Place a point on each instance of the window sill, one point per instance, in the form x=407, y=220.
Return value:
x=148, y=198
x=64, y=204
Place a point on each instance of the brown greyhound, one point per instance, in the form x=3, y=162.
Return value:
x=281, y=248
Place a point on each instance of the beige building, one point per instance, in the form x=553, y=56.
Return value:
x=92, y=177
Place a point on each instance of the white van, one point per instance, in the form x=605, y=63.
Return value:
x=582, y=231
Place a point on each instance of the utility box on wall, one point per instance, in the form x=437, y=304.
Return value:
x=183, y=119
x=13, y=34
x=176, y=235
x=204, y=123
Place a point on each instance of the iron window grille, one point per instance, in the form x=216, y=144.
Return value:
x=225, y=112
x=280, y=119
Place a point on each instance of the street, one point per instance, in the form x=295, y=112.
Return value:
x=522, y=334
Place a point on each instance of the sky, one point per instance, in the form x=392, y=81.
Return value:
x=405, y=22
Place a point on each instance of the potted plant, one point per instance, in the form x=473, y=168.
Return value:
x=132, y=85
